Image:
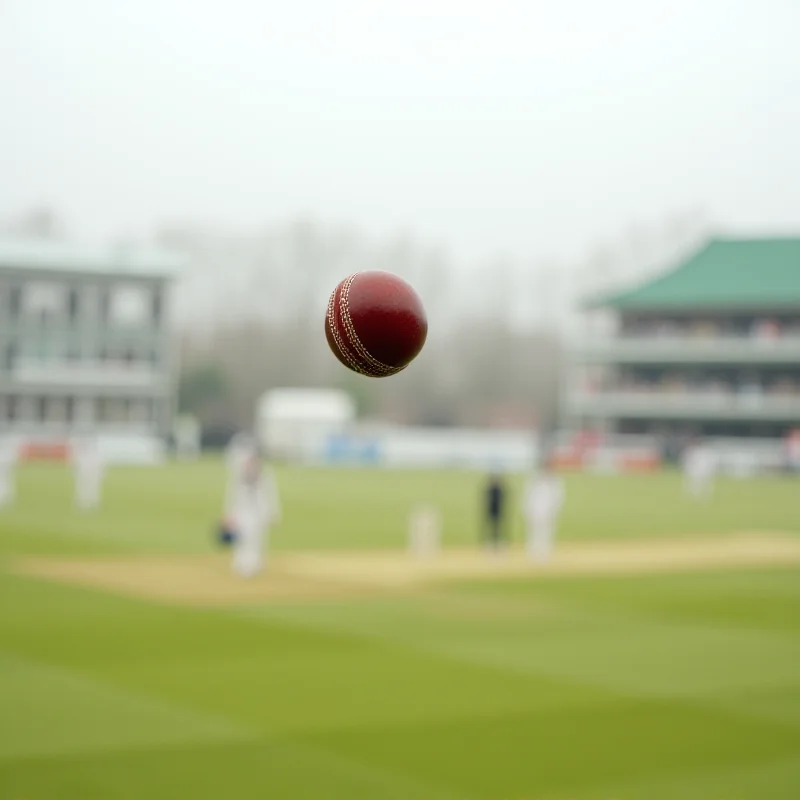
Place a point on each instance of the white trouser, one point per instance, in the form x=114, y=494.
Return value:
x=87, y=491
x=698, y=485
x=541, y=531
x=248, y=558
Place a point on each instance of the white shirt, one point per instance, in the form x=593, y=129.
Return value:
x=8, y=456
x=88, y=459
x=544, y=497
x=253, y=504
x=700, y=462
x=239, y=449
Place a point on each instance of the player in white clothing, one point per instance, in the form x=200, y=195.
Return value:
x=8, y=460
x=252, y=505
x=239, y=449
x=89, y=473
x=543, y=499
x=699, y=467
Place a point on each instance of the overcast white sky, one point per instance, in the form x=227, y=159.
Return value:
x=533, y=128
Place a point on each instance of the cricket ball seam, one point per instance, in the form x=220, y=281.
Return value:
x=377, y=368
x=342, y=347
x=337, y=338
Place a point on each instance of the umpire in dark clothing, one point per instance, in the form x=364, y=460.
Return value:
x=495, y=511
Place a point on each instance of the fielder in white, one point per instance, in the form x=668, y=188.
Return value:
x=89, y=473
x=237, y=452
x=8, y=461
x=252, y=505
x=699, y=468
x=543, y=499
x=424, y=531
x=240, y=447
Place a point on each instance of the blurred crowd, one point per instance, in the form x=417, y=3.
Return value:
x=745, y=388
x=677, y=383
x=760, y=328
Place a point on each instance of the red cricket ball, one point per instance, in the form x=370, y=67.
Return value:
x=375, y=324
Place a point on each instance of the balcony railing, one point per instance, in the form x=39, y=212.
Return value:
x=676, y=349
x=686, y=404
x=44, y=428
x=86, y=373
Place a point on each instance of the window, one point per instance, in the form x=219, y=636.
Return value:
x=129, y=305
x=11, y=356
x=116, y=409
x=11, y=408
x=43, y=298
x=69, y=410
x=14, y=301
x=40, y=412
x=156, y=307
x=84, y=410
x=104, y=305
x=111, y=409
x=139, y=411
x=73, y=304
x=55, y=409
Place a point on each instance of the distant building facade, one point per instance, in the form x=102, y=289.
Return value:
x=291, y=422
x=711, y=348
x=85, y=341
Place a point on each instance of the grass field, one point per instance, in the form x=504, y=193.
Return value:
x=683, y=686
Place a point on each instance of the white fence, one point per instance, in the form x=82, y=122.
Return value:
x=114, y=448
x=744, y=457
x=503, y=450
x=401, y=447
x=739, y=457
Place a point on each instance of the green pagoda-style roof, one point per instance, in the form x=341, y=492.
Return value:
x=725, y=274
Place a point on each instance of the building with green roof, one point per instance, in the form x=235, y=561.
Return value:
x=711, y=347
x=85, y=341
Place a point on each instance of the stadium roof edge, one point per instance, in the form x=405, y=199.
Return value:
x=725, y=273
x=27, y=255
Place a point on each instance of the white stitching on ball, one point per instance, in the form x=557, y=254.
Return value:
x=345, y=353
x=351, y=362
x=378, y=368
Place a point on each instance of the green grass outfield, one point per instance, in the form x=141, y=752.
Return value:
x=684, y=687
